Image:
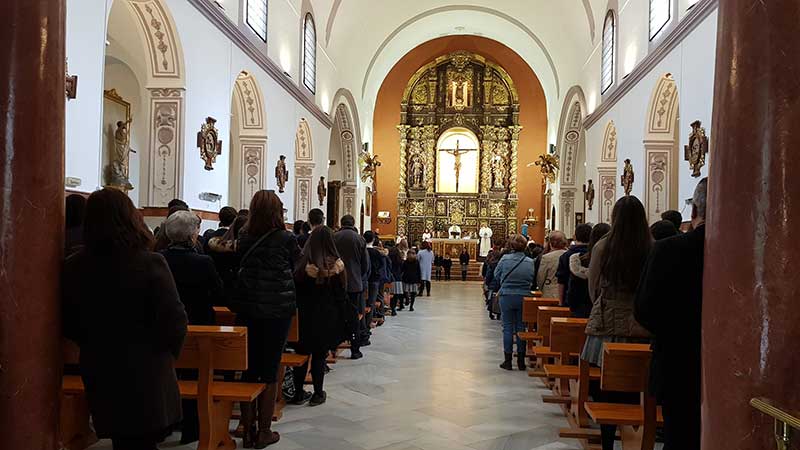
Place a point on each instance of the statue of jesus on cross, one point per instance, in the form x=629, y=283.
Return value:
x=457, y=164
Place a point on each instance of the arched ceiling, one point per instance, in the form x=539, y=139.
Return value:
x=366, y=37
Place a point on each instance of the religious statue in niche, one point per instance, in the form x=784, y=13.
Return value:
x=627, y=177
x=548, y=165
x=588, y=193
x=322, y=190
x=498, y=173
x=119, y=168
x=208, y=142
x=697, y=149
x=369, y=166
x=281, y=173
x=417, y=174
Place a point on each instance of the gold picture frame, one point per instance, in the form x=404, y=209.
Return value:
x=115, y=109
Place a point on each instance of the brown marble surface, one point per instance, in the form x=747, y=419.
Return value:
x=32, y=220
x=751, y=315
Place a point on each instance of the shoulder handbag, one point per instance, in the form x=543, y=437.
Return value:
x=496, y=297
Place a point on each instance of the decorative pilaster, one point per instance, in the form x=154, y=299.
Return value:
x=608, y=192
x=568, y=210
x=253, y=152
x=304, y=180
x=489, y=143
x=166, y=145
x=515, y=132
x=403, y=130
x=429, y=148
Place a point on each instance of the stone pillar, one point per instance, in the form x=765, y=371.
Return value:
x=751, y=318
x=32, y=220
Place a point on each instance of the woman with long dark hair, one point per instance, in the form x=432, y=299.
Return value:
x=412, y=277
x=321, y=283
x=614, y=270
x=398, y=295
x=121, y=307
x=264, y=301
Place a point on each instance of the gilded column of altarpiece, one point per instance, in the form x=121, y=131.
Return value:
x=466, y=91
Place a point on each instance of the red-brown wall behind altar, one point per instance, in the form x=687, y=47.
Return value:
x=533, y=118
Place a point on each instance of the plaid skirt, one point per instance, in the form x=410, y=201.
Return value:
x=410, y=287
x=397, y=288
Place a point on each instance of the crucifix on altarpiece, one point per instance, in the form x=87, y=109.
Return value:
x=456, y=152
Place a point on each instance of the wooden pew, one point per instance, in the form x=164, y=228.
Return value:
x=224, y=316
x=626, y=368
x=567, y=336
x=530, y=310
x=206, y=348
x=543, y=352
x=288, y=360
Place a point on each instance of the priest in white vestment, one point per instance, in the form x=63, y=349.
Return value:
x=485, y=233
x=426, y=236
x=454, y=232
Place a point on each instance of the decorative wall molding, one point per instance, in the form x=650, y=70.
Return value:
x=166, y=145
x=158, y=33
x=568, y=210
x=303, y=148
x=609, y=153
x=218, y=18
x=347, y=138
x=662, y=114
x=659, y=182
x=250, y=102
x=607, y=177
x=571, y=141
x=252, y=171
x=692, y=20
x=304, y=180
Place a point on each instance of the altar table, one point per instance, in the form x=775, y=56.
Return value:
x=455, y=246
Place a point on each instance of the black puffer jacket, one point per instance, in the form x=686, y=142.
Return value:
x=265, y=285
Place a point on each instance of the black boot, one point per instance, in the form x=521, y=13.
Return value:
x=507, y=363
x=521, y=360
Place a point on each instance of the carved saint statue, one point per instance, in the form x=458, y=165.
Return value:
x=589, y=194
x=322, y=190
x=498, y=173
x=697, y=149
x=627, y=177
x=417, y=174
x=369, y=166
x=208, y=142
x=281, y=173
x=120, y=163
x=548, y=165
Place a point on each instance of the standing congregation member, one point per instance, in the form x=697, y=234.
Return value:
x=222, y=250
x=463, y=258
x=489, y=265
x=579, y=302
x=353, y=251
x=617, y=262
x=513, y=277
x=321, y=283
x=673, y=216
x=669, y=304
x=663, y=229
x=425, y=258
x=447, y=265
x=199, y=287
x=73, y=232
x=396, y=261
x=546, y=278
x=121, y=307
x=375, y=285
x=579, y=247
x=264, y=301
x=226, y=217
x=411, y=278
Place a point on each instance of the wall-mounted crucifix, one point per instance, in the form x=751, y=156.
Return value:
x=457, y=152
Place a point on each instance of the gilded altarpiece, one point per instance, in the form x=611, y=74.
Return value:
x=456, y=91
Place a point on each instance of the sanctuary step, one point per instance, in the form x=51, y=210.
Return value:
x=473, y=271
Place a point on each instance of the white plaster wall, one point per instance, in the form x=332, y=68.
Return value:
x=211, y=64
x=691, y=64
x=86, y=36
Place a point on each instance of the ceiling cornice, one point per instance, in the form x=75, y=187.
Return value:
x=450, y=8
x=693, y=19
x=228, y=28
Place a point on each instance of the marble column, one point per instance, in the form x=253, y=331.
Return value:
x=32, y=220
x=751, y=318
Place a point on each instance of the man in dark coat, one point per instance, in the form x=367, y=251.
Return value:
x=669, y=304
x=226, y=217
x=353, y=251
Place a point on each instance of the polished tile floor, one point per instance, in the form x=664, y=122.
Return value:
x=429, y=381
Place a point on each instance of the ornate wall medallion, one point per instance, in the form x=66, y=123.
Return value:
x=697, y=149
x=208, y=142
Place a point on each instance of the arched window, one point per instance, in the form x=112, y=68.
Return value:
x=309, y=53
x=256, y=17
x=609, y=50
x=660, y=14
